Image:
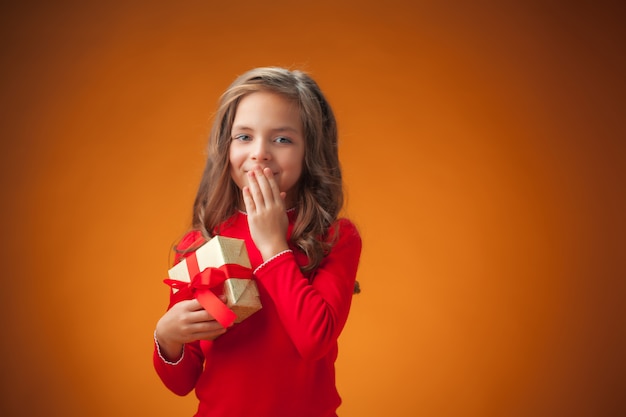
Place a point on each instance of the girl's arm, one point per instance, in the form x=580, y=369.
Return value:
x=180, y=376
x=177, y=356
x=314, y=314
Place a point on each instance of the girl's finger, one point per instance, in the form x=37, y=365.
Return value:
x=194, y=305
x=269, y=176
x=264, y=185
x=255, y=190
x=248, y=201
x=207, y=335
x=200, y=316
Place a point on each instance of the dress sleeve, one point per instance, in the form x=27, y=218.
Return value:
x=181, y=377
x=314, y=313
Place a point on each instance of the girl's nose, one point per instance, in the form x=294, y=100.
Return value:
x=261, y=151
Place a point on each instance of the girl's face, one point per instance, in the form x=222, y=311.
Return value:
x=267, y=132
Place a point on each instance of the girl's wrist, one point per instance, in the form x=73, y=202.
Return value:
x=272, y=251
x=171, y=352
x=168, y=354
x=268, y=261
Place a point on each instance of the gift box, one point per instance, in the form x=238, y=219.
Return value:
x=220, y=266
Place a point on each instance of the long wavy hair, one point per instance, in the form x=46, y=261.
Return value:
x=319, y=192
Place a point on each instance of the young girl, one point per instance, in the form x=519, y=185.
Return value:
x=273, y=179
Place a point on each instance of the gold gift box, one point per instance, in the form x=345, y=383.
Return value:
x=242, y=295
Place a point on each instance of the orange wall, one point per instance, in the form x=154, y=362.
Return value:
x=483, y=150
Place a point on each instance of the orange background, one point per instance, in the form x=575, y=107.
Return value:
x=483, y=148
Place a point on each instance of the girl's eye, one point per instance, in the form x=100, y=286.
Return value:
x=282, y=139
x=242, y=137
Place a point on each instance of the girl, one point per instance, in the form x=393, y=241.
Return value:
x=273, y=179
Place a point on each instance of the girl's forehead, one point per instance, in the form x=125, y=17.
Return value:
x=266, y=107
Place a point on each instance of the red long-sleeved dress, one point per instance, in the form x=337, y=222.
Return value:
x=279, y=361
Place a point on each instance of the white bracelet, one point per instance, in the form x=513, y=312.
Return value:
x=156, y=342
x=271, y=259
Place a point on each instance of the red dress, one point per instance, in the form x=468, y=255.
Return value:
x=279, y=361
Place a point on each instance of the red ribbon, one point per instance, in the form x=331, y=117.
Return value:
x=202, y=285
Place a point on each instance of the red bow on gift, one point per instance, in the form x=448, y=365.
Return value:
x=202, y=283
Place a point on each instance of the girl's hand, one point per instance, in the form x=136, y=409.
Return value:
x=185, y=322
x=267, y=218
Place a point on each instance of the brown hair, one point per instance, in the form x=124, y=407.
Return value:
x=319, y=196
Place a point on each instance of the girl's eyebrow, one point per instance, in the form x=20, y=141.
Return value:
x=278, y=129
x=286, y=129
